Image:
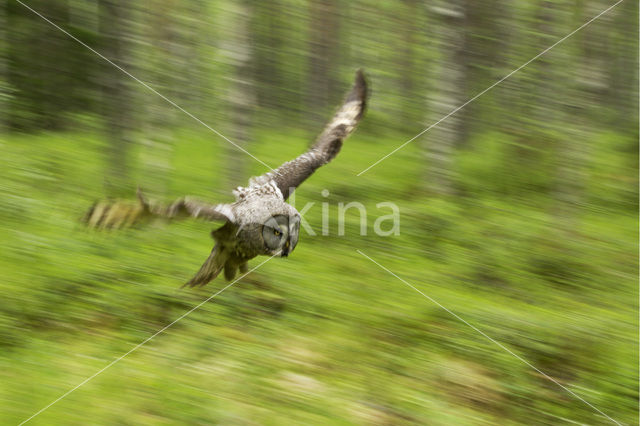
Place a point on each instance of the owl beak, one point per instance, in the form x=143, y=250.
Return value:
x=286, y=250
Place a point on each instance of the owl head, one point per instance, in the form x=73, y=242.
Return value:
x=280, y=234
x=267, y=224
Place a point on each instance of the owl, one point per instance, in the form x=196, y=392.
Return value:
x=259, y=222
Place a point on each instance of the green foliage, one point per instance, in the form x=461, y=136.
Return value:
x=532, y=239
x=325, y=335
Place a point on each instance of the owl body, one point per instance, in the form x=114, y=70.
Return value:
x=260, y=223
x=258, y=202
x=254, y=207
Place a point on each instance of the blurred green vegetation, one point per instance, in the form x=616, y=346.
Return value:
x=519, y=212
x=325, y=335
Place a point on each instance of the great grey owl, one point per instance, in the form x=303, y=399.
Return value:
x=259, y=222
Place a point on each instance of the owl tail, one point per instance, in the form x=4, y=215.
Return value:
x=209, y=269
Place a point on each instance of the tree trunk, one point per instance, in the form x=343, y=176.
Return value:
x=443, y=138
x=162, y=63
x=323, y=56
x=116, y=95
x=241, y=95
x=407, y=59
x=4, y=70
x=582, y=88
x=268, y=45
x=622, y=68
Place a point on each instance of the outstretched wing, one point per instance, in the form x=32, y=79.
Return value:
x=293, y=173
x=119, y=214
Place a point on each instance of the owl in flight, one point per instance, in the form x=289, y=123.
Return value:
x=259, y=222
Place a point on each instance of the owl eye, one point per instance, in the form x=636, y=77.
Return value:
x=274, y=232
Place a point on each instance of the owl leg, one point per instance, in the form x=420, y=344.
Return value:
x=244, y=267
x=230, y=269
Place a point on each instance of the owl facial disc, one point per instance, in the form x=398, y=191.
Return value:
x=280, y=234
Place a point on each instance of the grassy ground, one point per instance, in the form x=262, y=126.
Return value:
x=324, y=336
